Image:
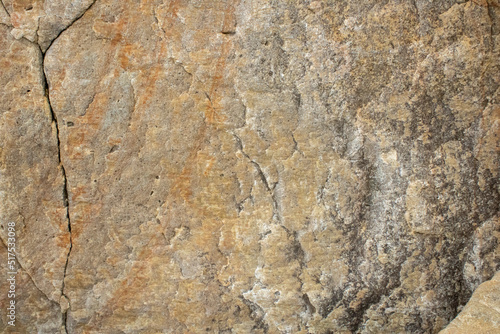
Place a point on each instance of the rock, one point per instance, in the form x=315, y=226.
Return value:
x=41, y=21
x=252, y=166
x=31, y=184
x=481, y=313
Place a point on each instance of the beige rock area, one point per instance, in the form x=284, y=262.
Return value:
x=482, y=312
x=249, y=166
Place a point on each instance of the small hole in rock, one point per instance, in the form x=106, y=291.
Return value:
x=70, y=124
x=114, y=148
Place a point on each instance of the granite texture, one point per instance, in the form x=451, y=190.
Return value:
x=249, y=166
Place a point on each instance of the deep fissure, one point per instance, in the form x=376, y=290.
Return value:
x=63, y=169
x=65, y=183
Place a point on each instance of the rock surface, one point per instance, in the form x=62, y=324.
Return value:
x=236, y=166
x=482, y=312
x=41, y=21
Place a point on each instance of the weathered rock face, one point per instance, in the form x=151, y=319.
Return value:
x=249, y=166
x=480, y=315
x=41, y=21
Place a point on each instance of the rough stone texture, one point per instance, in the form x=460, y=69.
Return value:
x=31, y=187
x=250, y=166
x=41, y=21
x=482, y=312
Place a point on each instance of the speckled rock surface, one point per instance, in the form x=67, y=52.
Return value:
x=235, y=166
x=482, y=312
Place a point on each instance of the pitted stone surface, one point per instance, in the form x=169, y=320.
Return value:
x=237, y=166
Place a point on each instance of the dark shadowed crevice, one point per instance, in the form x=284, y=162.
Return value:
x=5, y=8
x=65, y=192
x=65, y=180
x=72, y=22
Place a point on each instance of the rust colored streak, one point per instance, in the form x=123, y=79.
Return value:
x=181, y=186
x=212, y=117
x=87, y=127
x=87, y=212
x=129, y=286
x=153, y=74
x=132, y=283
x=212, y=113
x=90, y=124
x=172, y=13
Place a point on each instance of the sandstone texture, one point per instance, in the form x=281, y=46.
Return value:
x=249, y=166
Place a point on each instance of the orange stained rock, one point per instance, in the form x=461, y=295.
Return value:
x=181, y=188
